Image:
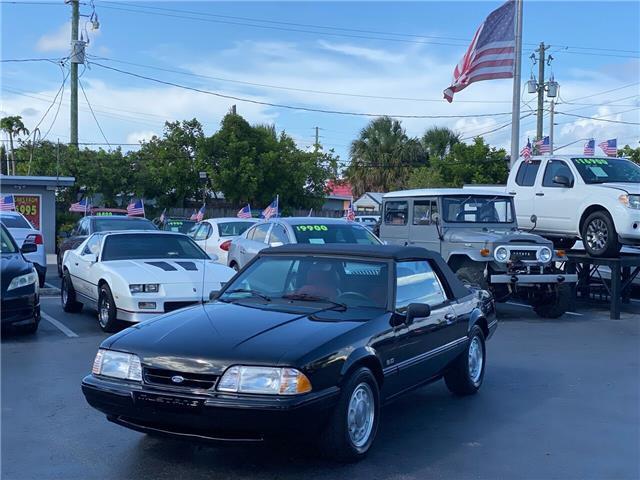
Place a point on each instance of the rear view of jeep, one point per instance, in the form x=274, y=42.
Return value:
x=477, y=234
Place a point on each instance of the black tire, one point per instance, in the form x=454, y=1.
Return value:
x=335, y=441
x=32, y=327
x=68, y=295
x=553, y=305
x=460, y=377
x=107, y=320
x=41, y=279
x=59, y=263
x=473, y=276
x=599, y=235
x=564, y=243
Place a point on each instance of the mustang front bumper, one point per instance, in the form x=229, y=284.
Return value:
x=528, y=279
x=213, y=417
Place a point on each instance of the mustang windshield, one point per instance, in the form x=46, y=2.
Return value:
x=316, y=281
x=137, y=246
x=604, y=170
x=334, y=233
x=477, y=209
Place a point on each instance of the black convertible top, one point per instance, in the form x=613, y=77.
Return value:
x=394, y=252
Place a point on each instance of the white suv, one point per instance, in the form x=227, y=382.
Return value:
x=595, y=199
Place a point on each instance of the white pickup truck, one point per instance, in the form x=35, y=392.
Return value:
x=571, y=197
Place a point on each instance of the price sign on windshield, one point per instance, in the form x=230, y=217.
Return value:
x=312, y=228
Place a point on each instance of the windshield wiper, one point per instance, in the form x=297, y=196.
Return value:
x=253, y=293
x=305, y=297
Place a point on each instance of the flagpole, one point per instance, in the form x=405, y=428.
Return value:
x=515, y=107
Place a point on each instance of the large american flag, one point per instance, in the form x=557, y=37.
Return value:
x=194, y=215
x=610, y=147
x=526, y=150
x=7, y=203
x=492, y=51
x=271, y=210
x=136, y=207
x=543, y=145
x=349, y=213
x=245, y=212
x=200, y=214
x=590, y=147
x=82, y=206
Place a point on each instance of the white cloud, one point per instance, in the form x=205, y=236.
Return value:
x=142, y=136
x=370, y=54
x=60, y=39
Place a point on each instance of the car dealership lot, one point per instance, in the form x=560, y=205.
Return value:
x=560, y=400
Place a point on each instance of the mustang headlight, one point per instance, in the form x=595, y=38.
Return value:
x=264, y=380
x=144, y=287
x=545, y=254
x=23, y=280
x=117, y=365
x=631, y=201
x=501, y=254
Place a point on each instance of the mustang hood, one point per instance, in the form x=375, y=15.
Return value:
x=493, y=236
x=168, y=271
x=209, y=338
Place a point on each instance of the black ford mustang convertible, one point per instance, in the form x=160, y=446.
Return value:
x=306, y=340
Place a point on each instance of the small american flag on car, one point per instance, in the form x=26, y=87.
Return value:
x=136, y=207
x=7, y=203
x=82, y=206
x=245, y=212
x=526, y=150
x=609, y=147
x=200, y=214
x=271, y=210
x=350, y=214
x=590, y=147
x=491, y=54
x=544, y=146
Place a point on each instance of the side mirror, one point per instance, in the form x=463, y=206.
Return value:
x=213, y=294
x=92, y=257
x=29, y=248
x=533, y=219
x=276, y=244
x=417, y=310
x=435, y=218
x=562, y=180
x=213, y=256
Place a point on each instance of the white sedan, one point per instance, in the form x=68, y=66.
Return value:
x=137, y=275
x=214, y=235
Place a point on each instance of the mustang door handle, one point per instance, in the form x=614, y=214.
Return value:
x=512, y=193
x=539, y=194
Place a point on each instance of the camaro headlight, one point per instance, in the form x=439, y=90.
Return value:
x=545, y=254
x=117, y=365
x=631, y=201
x=23, y=280
x=264, y=380
x=501, y=254
x=144, y=287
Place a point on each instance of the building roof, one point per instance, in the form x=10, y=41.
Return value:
x=437, y=192
x=375, y=196
x=339, y=189
x=37, y=181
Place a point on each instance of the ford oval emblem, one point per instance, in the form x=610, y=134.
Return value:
x=177, y=379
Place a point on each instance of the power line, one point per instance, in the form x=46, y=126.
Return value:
x=93, y=114
x=290, y=107
x=59, y=92
x=599, y=119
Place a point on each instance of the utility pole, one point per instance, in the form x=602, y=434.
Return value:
x=551, y=115
x=541, y=88
x=316, y=145
x=75, y=20
x=515, y=105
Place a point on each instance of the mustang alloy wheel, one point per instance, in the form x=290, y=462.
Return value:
x=360, y=415
x=465, y=375
x=476, y=359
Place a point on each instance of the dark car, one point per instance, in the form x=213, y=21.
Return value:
x=307, y=340
x=19, y=285
x=180, y=225
x=99, y=223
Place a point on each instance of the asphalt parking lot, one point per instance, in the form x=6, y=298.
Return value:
x=561, y=399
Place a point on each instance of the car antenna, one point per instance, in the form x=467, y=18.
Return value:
x=204, y=268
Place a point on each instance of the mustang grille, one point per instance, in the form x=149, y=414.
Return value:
x=159, y=376
x=523, y=255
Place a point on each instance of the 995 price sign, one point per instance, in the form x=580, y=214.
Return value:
x=30, y=207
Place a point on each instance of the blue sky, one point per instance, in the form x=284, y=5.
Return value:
x=291, y=55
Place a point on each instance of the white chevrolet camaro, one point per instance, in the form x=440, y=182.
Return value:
x=137, y=275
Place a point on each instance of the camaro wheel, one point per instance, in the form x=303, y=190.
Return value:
x=599, y=235
x=354, y=422
x=106, y=310
x=465, y=375
x=68, y=295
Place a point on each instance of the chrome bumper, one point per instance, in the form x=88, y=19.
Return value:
x=534, y=279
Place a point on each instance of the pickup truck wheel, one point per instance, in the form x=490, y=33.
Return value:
x=107, y=310
x=599, y=235
x=565, y=243
x=465, y=375
x=553, y=305
x=353, y=424
x=68, y=295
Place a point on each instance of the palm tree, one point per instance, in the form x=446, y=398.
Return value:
x=14, y=127
x=382, y=156
x=438, y=141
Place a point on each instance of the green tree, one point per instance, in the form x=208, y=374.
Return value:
x=13, y=127
x=382, y=156
x=438, y=141
x=631, y=153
